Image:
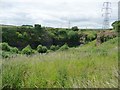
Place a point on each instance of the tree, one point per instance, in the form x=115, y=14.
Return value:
x=27, y=50
x=75, y=28
x=5, y=46
x=116, y=25
x=73, y=38
x=64, y=47
x=14, y=50
x=38, y=27
x=41, y=49
x=54, y=48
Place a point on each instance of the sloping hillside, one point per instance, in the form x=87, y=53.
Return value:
x=87, y=66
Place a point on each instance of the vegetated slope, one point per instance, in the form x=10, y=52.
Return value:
x=87, y=66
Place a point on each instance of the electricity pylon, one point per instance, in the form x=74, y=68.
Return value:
x=106, y=14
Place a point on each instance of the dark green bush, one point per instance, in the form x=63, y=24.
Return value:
x=75, y=28
x=14, y=50
x=38, y=27
x=5, y=55
x=41, y=49
x=53, y=48
x=64, y=47
x=44, y=49
x=20, y=36
x=5, y=46
x=73, y=36
x=91, y=37
x=27, y=50
x=116, y=26
x=57, y=47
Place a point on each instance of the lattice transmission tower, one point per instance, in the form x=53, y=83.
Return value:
x=106, y=14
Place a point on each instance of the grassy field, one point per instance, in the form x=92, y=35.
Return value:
x=87, y=66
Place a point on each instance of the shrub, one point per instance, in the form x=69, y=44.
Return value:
x=44, y=49
x=75, y=28
x=20, y=36
x=37, y=27
x=57, y=47
x=116, y=26
x=73, y=36
x=41, y=49
x=64, y=47
x=5, y=46
x=4, y=54
x=15, y=50
x=53, y=48
x=27, y=50
x=91, y=37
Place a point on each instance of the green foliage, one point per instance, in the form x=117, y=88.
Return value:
x=54, y=48
x=14, y=50
x=91, y=37
x=20, y=36
x=25, y=35
x=62, y=35
x=41, y=49
x=7, y=51
x=27, y=50
x=28, y=26
x=73, y=36
x=44, y=49
x=5, y=54
x=37, y=27
x=75, y=28
x=116, y=26
x=87, y=66
x=64, y=47
x=5, y=46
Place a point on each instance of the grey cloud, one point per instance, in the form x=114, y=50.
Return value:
x=17, y=19
x=53, y=12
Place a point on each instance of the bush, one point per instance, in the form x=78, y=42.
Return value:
x=75, y=28
x=91, y=37
x=53, y=48
x=37, y=27
x=27, y=50
x=44, y=49
x=73, y=36
x=41, y=49
x=64, y=47
x=5, y=46
x=57, y=47
x=15, y=50
x=116, y=26
x=5, y=54
x=20, y=36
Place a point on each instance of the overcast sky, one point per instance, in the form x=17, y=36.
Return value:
x=55, y=13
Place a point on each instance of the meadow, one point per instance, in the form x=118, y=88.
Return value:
x=87, y=66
